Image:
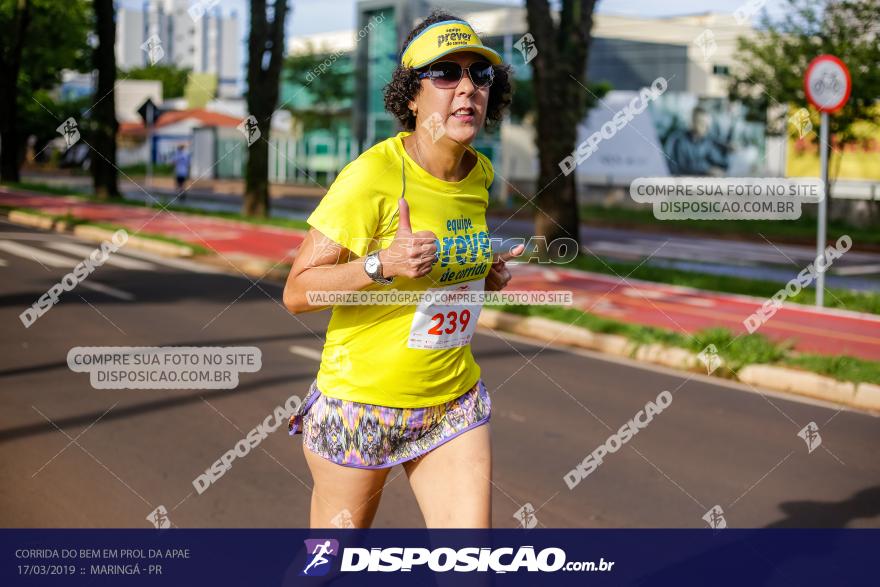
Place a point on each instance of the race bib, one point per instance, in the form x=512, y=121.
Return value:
x=445, y=326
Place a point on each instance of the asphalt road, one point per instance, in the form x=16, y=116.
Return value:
x=74, y=456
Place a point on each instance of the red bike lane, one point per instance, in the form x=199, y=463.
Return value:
x=822, y=331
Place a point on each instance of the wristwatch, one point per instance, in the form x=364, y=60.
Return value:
x=373, y=267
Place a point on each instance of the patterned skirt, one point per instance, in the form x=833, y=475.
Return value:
x=368, y=436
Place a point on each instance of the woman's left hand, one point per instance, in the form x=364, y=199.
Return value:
x=499, y=276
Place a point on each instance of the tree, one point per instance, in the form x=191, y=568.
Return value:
x=42, y=116
x=773, y=62
x=326, y=87
x=173, y=78
x=559, y=74
x=104, y=126
x=265, y=47
x=522, y=108
x=27, y=69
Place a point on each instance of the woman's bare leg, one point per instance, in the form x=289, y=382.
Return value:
x=452, y=483
x=343, y=491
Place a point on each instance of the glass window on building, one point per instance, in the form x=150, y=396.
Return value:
x=381, y=60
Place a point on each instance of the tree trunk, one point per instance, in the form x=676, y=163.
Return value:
x=557, y=214
x=10, y=161
x=10, y=65
x=256, y=199
x=105, y=174
x=559, y=71
x=265, y=48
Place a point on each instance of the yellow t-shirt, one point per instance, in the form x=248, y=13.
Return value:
x=389, y=355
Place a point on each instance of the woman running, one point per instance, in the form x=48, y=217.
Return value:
x=398, y=383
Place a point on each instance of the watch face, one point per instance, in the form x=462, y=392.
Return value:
x=372, y=264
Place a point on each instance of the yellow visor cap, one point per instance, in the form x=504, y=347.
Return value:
x=443, y=38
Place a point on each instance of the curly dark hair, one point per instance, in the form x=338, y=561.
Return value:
x=405, y=84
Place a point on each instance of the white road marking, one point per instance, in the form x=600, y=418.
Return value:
x=856, y=270
x=701, y=302
x=38, y=255
x=110, y=291
x=114, y=259
x=650, y=294
x=306, y=352
x=182, y=264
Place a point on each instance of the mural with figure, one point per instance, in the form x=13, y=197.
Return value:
x=708, y=137
x=678, y=134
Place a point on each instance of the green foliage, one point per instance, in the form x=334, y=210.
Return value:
x=56, y=38
x=739, y=350
x=735, y=351
x=172, y=77
x=42, y=115
x=524, y=104
x=772, y=64
x=845, y=368
x=323, y=83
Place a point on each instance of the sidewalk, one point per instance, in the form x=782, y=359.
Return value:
x=828, y=332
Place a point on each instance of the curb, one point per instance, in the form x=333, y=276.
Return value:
x=98, y=234
x=864, y=396
x=29, y=219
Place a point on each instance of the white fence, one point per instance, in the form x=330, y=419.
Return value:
x=221, y=153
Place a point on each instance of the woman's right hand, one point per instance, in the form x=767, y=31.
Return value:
x=409, y=254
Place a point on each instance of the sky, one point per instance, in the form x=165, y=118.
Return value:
x=317, y=16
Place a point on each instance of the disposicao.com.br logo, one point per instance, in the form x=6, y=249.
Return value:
x=439, y=560
x=319, y=551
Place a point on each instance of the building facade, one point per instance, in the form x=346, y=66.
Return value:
x=196, y=36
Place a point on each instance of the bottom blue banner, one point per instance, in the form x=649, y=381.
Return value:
x=439, y=557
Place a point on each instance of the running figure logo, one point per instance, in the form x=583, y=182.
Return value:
x=318, y=550
x=706, y=42
x=526, y=516
x=801, y=121
x=715, y=518
x=250, y=129
x=434, y=125
x=153, y=48
x=810, y=434
x=159, y=518
x=527, y=47
x=69, y=131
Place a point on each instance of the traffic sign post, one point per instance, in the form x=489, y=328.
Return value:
x=150, y=113
x=827, y=84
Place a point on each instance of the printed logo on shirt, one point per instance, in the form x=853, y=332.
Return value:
x=470, y=249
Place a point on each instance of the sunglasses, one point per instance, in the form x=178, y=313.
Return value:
x=445, y=75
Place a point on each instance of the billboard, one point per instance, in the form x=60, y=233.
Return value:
x=678, y=134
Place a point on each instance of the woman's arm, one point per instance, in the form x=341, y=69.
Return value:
x=323, y=265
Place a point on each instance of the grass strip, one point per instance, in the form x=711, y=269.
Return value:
x=844, y=299
x=736, y=351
